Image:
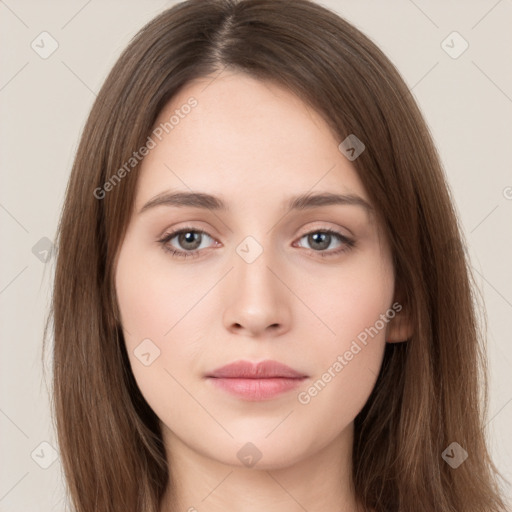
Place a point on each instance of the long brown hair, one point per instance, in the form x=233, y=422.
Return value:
x=431, y=390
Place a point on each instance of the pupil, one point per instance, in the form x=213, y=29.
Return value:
x=324, y=240
x=189, y=238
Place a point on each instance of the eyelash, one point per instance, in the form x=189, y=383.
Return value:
x=348, y=243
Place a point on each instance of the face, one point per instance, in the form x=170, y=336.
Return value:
x=203, y=282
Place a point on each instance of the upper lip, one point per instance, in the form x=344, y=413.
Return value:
x=262, y=370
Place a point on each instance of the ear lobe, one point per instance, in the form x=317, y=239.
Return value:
x=399, y=328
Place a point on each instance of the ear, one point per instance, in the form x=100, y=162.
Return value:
x=399, y=328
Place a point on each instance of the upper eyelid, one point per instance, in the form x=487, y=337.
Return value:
x=204, y=231
x=306, y=231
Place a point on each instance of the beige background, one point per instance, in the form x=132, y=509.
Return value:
x=467, y=102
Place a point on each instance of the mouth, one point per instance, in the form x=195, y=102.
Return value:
x=256, y=381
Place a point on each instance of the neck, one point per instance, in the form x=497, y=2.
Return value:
x=320, y=480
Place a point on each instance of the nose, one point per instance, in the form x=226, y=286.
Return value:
x=257, y=298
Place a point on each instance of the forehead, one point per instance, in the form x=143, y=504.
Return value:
x=238, y=137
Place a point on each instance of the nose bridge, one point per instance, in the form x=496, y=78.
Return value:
x=254, y=258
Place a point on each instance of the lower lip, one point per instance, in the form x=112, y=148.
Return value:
x=257, y=389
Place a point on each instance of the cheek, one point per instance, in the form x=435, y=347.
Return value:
x=353, y=310
x=153, y=297
x=350, y=300
x=158, y=313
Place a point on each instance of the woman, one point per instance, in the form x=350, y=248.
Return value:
x=316, y=346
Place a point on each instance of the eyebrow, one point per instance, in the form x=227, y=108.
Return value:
x=301, y=202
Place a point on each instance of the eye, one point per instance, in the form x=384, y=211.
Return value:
x=321, y=239
x=189, y=239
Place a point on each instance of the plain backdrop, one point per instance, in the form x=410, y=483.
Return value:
x=466, y=100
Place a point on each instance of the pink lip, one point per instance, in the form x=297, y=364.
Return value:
x=256, y=381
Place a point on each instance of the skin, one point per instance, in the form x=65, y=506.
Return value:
x=254, y=144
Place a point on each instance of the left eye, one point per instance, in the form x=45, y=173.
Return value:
x=323, y=238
